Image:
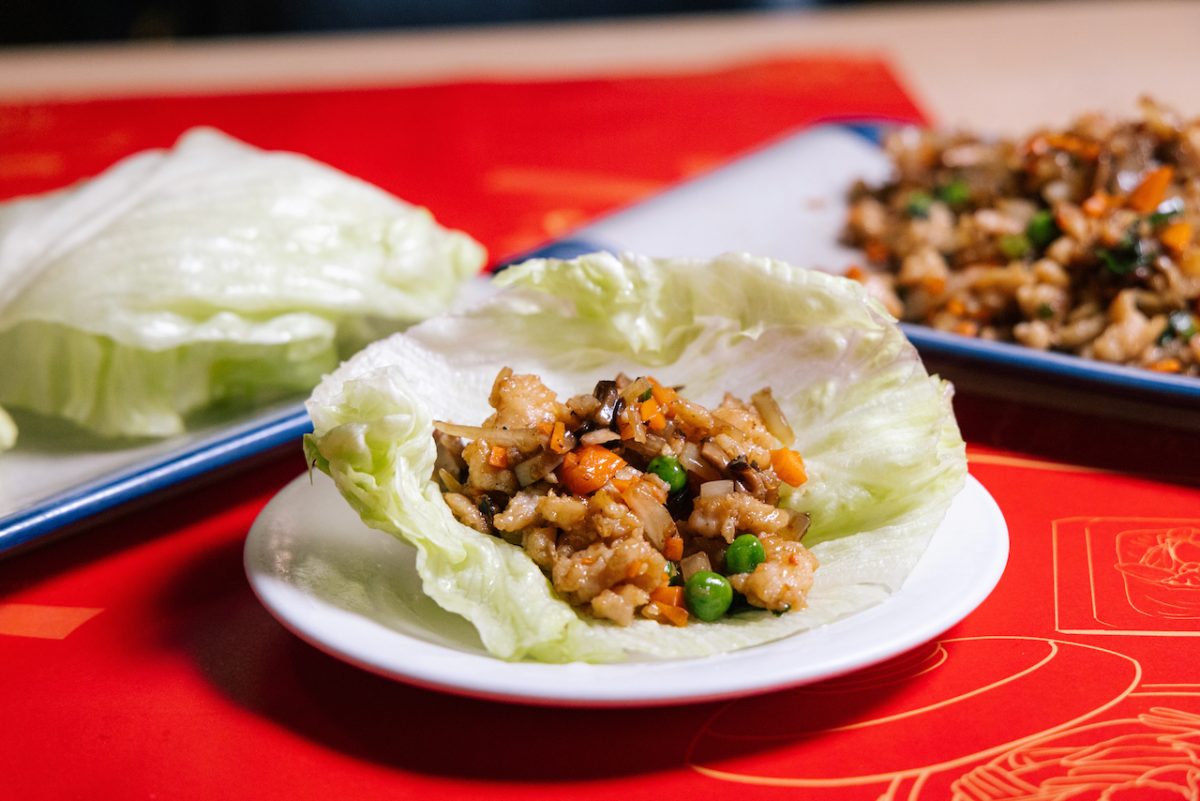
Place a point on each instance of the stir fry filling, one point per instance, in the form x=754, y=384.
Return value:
x=634, y=500
x=1081, y=240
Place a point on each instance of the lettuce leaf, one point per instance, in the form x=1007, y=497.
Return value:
x=212, y=272
x=882, y=449
x=8, y=431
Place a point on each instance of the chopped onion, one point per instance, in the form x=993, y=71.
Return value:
x=583, y=406
x=690, y=565
x=689, y=457
x=723, y=487
x=525, y=439
x=632, y=419
x=655, y=518
x=773, y=417
x=451, y=483
x=635, y=390
x=599, y=436
x=538, y=467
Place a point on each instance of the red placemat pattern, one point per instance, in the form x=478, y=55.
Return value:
x=514, y=163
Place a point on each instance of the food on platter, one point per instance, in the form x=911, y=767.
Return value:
x=635, y=500
x=1079, y=239
x=838, y=386
x=8, y=431
x=209, y=274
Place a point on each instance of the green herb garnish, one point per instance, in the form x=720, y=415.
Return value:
x=918, y=205
x=955, y=194
x=1042, y=229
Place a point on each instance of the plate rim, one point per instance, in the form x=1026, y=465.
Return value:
x=226, y=447
x=514, y=682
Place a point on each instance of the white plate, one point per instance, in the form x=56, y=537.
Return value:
x=354, y=593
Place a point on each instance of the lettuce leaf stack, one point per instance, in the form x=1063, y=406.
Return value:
x=210, y=273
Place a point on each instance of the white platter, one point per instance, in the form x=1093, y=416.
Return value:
x=354, y=593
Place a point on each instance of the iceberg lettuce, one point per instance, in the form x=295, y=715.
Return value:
x=8, y=431
x=212, y=272
x=879, y=439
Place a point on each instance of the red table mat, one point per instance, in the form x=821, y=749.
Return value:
x=135, y=662
x=514, y=163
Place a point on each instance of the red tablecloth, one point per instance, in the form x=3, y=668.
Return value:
x=135, y=663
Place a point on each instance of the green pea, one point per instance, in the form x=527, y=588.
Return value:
x=669, y=470
x=955, y=194
x=1014, y=246
x=744, y=554
x=708, y=595
x=1042, y=229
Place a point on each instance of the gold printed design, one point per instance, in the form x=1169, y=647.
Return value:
x=1153, y=755
x=1161, y=568
x=1127, y=576
x=994, y=693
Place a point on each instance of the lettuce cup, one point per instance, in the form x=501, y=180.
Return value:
x=823, y=428
x=212, y=274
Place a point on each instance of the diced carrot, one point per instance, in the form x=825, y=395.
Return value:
x=623, y=484
x=789, y=466
x=876, y=251
x=673, y=548
x=626, y=429
x=634, y=569
x=558, y=436
x=652, y=414
x=1096, y=205
x=664, y=395
x=675, y=615
x=1177, y=236
x=649, y=407
x=933, y=284
x=498, y=457
x=1169, y=365
x=1062, y=216
x=546, y=428
x=956, y=307
x=966, y=328
x=1076, y=145
x=1146, y=196
x=856, y=273
x=587, y=469
x=667, y=595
